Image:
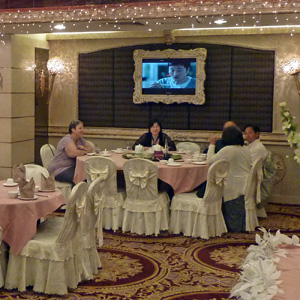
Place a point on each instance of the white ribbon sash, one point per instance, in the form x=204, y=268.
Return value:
x=96, y=173
x=220, y=177
x=139, y=179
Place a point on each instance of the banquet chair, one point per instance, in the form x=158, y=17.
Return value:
x=51, y=261
x=112, y=207
x=146, y=211
x=34, y=171
x=3, y=259
x=92, y=145
x=201, y=217
x=47, y=152
x=90, y=258
x=252, y=195
x=188, y=146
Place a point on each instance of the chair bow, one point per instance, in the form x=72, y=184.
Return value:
x=220, y=177
x=98, y=209
x=96, y=173
x=139, y=179
x=81, y=208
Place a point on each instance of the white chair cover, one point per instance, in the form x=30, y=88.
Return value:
x=201, y=217
x=90, y=258
x=3, y=259
x=145, y=210
x=34, y=171
x=92, y=145
x=111, y=209
x=252, y=195
x=47, y=153
x=188, y=146
x=51, y=262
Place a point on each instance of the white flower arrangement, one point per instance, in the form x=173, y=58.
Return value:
x=259, y=277
x=290, y=130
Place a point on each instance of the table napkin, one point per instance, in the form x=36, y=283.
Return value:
x=19, y=171
x=47, y=184
x=26, y=189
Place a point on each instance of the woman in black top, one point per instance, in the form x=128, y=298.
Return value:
x=155, y=136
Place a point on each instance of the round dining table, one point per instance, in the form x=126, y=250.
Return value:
x=183, y=178
x=18, y=218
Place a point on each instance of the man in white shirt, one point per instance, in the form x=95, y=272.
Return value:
x=255, y=146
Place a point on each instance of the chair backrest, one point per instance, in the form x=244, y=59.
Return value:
x=216, y=176
x=47, y=152
x=75, y=207
x=94, y=206
x=34, y=171
x=92, y=145
x=141, y=179
x=188, y=146
x=105, y=168
x=2, y=271
x=252, y=195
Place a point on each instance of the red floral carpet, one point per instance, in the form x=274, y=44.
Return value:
x=171, y=267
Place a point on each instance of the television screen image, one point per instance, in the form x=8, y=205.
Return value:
x=167, y=76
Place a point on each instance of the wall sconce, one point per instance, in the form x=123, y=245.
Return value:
x=292, y=67
x=55, y=66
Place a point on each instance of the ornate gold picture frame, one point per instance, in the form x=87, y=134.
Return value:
x=167, y=96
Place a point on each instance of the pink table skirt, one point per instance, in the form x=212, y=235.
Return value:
x=290, y=274
x=183, y=178
x=18, y=218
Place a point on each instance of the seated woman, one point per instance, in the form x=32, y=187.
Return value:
x=233, y=206
x=155, y=136
x=69, y=147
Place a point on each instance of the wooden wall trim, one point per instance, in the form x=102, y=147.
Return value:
x=197, y=136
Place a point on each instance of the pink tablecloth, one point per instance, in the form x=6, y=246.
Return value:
x=290, y=274
x=18, y=218
x=183, y=178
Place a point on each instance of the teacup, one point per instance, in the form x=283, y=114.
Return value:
x=163, y=162
x=188, y=160
x=12, y=194
x=10, y=181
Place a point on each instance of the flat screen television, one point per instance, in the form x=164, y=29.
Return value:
x=169, y=76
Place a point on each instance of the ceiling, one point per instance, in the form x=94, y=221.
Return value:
x=153, y=16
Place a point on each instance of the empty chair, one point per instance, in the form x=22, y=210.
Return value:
x=3, y=260
x=145, y=210
x=47, y=153
x=111, y=209
x=90, y=258
x=201, y=217
x=34, y=171
x=51, y=261
x=188, y=146
x=252, y=195
x=92, y=145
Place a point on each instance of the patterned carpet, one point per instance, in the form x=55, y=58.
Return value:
x=171, y=267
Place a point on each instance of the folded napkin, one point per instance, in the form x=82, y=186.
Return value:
x=26, y=189
x=157, y=147
x=47, y=184
x=19, y=171
x=139, y=148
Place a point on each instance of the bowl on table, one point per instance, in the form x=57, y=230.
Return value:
x=12, y=194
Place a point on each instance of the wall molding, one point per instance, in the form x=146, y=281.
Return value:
x=198, y=136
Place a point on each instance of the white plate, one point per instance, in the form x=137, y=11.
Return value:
x=22, y=198
x=175, y=164
x=47, y=191
x=117, y=151
x=106, y=155
x=199, y=162
x=12, y=184
x=91, y=154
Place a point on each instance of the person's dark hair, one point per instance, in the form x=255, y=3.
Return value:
x=151, y=123
x=254, y=127
x=74, y=124
x=232, y=136
x=184, y=63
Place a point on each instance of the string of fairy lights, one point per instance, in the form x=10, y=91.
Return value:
x=154, y=15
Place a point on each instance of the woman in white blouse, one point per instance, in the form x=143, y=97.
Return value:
x=233, y=206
